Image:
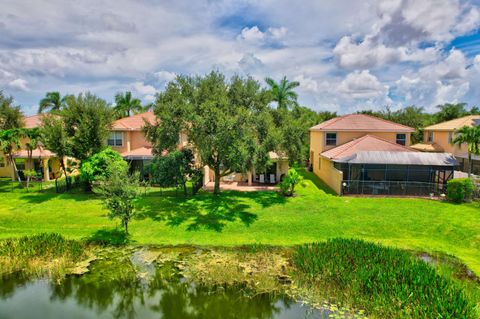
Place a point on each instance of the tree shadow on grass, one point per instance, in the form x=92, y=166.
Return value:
x=108, y=237
x=204, y=211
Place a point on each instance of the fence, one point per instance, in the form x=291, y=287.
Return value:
x=392, y=188
x=70, y=182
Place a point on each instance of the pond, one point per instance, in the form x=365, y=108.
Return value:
x=158, y=292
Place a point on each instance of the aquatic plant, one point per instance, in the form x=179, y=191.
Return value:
x=40, y=254
x=389, y=282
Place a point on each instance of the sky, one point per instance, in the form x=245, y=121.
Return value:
x=347, y=55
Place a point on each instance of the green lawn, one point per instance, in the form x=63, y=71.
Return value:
x=264, y=217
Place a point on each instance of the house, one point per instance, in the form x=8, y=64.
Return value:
x=127, y=138
x=439, y=137
x=44, y=162
x=362, y=154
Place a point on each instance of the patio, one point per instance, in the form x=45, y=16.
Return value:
x=240, y=186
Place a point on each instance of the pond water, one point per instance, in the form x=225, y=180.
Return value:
x=160, y=293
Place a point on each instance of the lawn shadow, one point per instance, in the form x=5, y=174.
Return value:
x=203, y=211
x=108, y=237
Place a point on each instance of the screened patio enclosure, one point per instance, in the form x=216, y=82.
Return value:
x=396, y=173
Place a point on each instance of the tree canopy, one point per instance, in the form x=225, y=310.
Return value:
x=11, y=115
x=471, y=137
x=227, y=122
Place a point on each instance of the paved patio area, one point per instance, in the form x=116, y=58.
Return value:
x=242, y=187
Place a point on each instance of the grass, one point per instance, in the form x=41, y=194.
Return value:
x=235, y=219
x=389, y=282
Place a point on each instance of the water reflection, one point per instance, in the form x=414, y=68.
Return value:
x=119, y=293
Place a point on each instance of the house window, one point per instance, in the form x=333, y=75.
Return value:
x=430, y=137
x=402, y=139
x=2, y=162
x=331, y=139
x=115, y=139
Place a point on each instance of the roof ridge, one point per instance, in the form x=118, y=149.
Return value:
x=396, y=144
x=387, y=121
x=335, y=119
x=353, y=143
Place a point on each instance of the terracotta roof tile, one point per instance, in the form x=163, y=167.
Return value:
x=365, y=143
x=33, y=121
x=428, y=147
x=361, y=122
x=37, y=153
x=134, y=122
x=470, y=120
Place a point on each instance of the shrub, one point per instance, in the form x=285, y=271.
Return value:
x=98, y=165
x=287, y=186
x=460, y=190
x=389, y=282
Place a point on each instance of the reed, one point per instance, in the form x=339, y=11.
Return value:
x=43, y=254
x=388, y=282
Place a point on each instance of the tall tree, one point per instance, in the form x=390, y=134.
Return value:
x=9, y=144
x=126, y=105
x=283, y=92
x=53, y=102
x=471, y=137
x=220, y=119
x=32, y=142
x=56, y=139
x=10, y=116
x=87, y=120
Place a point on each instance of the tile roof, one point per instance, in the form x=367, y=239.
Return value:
x=428, y=147
x=364, y=143
x=37, y=153
x=134, y=122
x=33, y=121
x=469, y=120
x=360, y=122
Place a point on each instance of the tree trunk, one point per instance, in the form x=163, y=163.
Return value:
x=15, y=170
x=216, y=188
x=126, y=227
x=469, y=168
x=64, y=169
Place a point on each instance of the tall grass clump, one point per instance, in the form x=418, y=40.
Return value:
x=49, y=254
x=388, y=282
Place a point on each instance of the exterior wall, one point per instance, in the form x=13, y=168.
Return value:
x=6, y=170
x=441, y=138
x=325, y=170
x=330, y=175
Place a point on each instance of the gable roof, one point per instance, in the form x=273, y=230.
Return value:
x=33, y=121
x=134, y=122
x=360, y=122
x=362, y=144
x=469, y=120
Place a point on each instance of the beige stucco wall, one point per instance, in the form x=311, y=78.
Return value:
x=441, y=138
x=330, y=175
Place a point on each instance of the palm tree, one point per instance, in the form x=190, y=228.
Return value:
x=52, y=101
x=471, y=137
x=283, y=92
x=9, y=143
x=126, y=105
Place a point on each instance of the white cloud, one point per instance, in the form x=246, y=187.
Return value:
x=18, y=84
x=252, y=34
x=362, y=84
x=143, y=89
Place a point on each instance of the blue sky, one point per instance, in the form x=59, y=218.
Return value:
x=347, y=55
